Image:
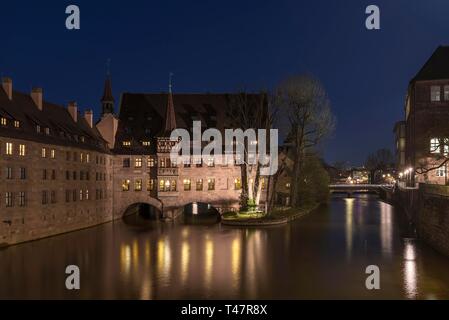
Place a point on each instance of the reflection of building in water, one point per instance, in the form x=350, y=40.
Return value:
x=410, y=270
x=349, y=213
x=386, y=228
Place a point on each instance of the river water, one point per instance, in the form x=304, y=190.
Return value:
x=323, y=255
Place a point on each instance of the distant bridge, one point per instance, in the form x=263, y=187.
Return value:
x=351, y=189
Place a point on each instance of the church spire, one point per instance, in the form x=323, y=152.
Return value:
x=107, y=101
x=170, y=117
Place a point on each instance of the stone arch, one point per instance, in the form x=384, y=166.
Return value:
x=121, y=207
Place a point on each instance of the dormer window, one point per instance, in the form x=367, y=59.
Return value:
x=126, y=143
x=146, y=143
x=16, y=124
x=3, y=121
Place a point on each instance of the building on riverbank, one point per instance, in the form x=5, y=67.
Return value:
x=60, y=171
x=426, y=145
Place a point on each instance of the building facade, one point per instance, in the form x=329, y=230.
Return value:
x=60, y=171
x=426, y=123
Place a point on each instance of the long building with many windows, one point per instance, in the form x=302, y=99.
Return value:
x=60, y=171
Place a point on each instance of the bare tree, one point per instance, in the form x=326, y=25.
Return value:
x=379, y=160
x=250, y=111
x=308, y=109
x=439, y=148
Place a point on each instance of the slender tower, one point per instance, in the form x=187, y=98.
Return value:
x=107, y=102
x=170, y=117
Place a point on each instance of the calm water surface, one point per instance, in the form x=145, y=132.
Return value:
x=323, y=255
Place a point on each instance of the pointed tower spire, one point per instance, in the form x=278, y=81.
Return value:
x=170, y=117
x=107, y=101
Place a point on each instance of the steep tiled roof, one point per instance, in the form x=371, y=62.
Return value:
x=142, y=116
x=63, y=129
x=437, y=67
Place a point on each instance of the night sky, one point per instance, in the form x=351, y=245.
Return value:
x=222, y=46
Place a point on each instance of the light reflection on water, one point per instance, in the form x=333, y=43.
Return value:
x=323, y=255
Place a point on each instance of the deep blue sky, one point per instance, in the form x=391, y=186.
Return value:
x=221, y=46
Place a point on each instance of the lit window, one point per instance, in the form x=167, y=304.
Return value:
x=38, y=128
x=52, y=153
x=237, y=183
x=446, y=93
x=146, y=143
x=162, y=163
x=210, y=162
x=81, y=195
x=8, y=199
x=22, y=150
x=441, y=171
x=3, y=121
x=187, y=184
x=16, y=124
x=162, y=185
x=138, y=185
x=9, y=148
x=199, y=185
x=288, y=185
x=81, y=157
x=138, y=163
x=150, y=162
x=446, y=147
x=87, y=194
x=263, y=183
x=126, y=143
x=87, y=158
x=435, y=92
x=125, y=185
x=47, y=131
x=173, y=185
x=44, y=153
x=434, y=145
x=211, y=184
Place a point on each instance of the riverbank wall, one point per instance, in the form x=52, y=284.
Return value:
x=427, y=208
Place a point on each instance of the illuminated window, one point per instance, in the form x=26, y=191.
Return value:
x=126, y=143
x=288, y=185
x=211, y=184
x=47, y=131
x=210, y=162
x=446, y=93
x=138, y=185
x=3, y=121
x=8, y=199
x=150, y=185
x=125, y=185
x=199, y=185
x=446, y=146
x=173, y=185
x=44, y=153
x=434, y=145
x=237, y=184
x=146, y=143
x=81, y=195
x=187, y=184
x=162, y=185
x=22, y=150
x=52, y=153
x=8, y=148
x=87, y=158
x=81, y=157
x=87, y=194
x=138, y=162
x=150, y=162
x=435, y=92
x=16, y=124
x=441, y=171
x=38, y=128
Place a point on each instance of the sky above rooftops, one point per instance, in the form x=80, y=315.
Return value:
x=223, y=46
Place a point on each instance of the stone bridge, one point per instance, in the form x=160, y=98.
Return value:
x=351, y=189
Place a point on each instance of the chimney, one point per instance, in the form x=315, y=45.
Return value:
x=36, y=95
x=73, y=110
x=89, y=116
x=7, y=86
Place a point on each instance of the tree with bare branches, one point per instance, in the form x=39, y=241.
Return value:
x=309, y=112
